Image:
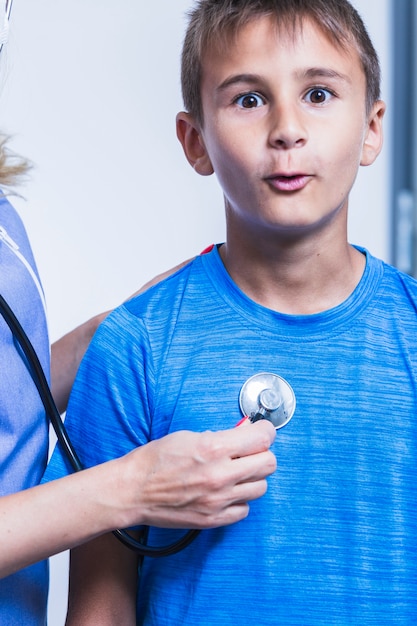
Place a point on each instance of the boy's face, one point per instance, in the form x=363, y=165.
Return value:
x=285, y=127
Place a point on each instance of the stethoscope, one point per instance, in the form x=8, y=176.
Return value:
x=263, y=396
x=267, y=396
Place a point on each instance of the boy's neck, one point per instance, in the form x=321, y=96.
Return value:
x=296, y=279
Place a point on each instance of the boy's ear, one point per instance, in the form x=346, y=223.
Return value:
x=373, y=138
x=192, y=142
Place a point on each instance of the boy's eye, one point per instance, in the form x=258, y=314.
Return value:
x=249, y=101
x=318, y=95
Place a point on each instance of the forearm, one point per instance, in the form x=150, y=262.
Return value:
x=103, y=584
x=50, y=518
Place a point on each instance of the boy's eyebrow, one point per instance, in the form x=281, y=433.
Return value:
x=239, y=78
x=324, y=72
x=309, y=73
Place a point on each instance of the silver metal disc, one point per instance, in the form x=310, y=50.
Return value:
x=268, y=394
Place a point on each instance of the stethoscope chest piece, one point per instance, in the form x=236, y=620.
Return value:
x=267, y=396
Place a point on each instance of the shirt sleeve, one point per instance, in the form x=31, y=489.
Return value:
x=109, y=409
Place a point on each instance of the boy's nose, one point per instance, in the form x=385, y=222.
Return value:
x=287, y=128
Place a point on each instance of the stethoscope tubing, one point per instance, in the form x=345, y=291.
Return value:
x=58, y=425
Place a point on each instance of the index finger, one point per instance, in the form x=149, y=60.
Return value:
x=244, y=441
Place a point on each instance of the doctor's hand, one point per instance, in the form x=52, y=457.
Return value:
x=196, y=480
x=184, y=480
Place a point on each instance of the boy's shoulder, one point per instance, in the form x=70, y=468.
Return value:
x=147, y=323
x=399, y=293
x=163, y=287
x=168, y=287
x=399, y=278
x=157, y=307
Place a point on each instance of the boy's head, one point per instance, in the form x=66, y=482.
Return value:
x=214, y=22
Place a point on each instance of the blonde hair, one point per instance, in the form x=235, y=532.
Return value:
x=12, y=167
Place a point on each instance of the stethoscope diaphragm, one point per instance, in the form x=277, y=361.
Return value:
x=267, y=396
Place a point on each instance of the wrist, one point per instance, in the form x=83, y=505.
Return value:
x=118, y=493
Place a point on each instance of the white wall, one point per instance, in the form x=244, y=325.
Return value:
x=90, y=93
x=91, y=97
x=370, y=199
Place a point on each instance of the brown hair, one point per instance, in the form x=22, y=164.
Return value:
x=213, y=22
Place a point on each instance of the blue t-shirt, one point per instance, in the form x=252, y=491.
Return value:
x=334, y=540
x=23, y=425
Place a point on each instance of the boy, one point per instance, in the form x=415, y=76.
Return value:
x=282, y=101
x=37, y=521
